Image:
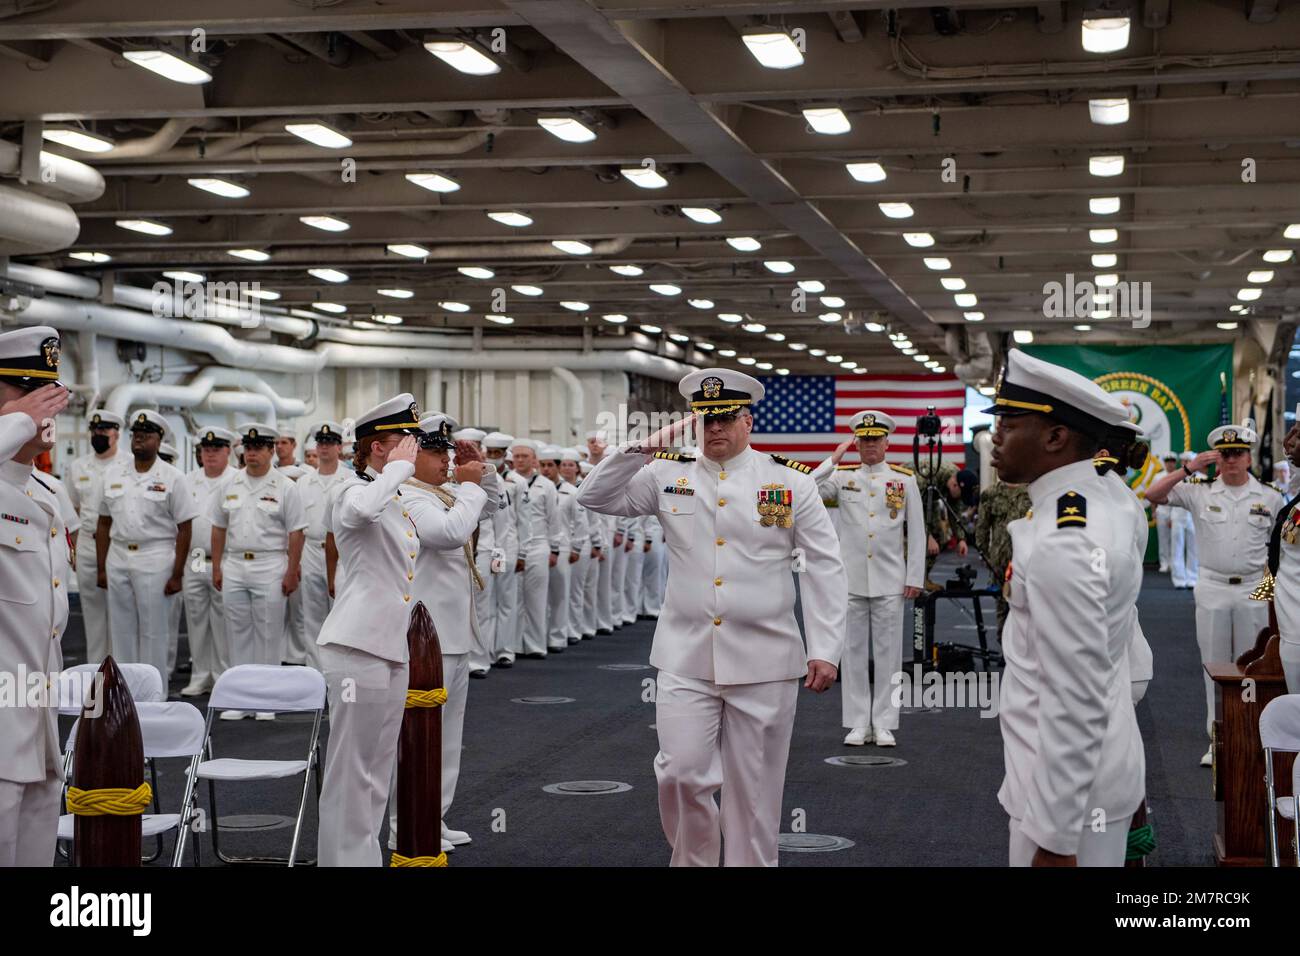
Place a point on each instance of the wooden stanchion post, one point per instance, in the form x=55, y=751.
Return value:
x=109, y=754
x=419, y=751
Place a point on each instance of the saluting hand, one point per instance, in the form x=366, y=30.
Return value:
x=821, y=675
x=841, y=450
x=1291, y=444
x=467, y=451
x=668, y=436
x=405, y=450
x=1205, y=458
x=470, y=472
x=40, y=404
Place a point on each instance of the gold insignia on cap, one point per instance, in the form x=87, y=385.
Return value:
x=1229, y=435
x=50, y=349
x=415, y=411
x=142, y=419
x=96, y=419
x=325, y=430
x=210, y=436
x=252, y=433
x=869, y=420
x=712, y=386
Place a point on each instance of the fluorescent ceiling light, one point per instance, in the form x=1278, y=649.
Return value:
x=830, y=317
x=1106, y=165
x=797, y=347
x=727, y=353
x=817, y=352
x=96, y=257
x=463, y=56
x=396, y=293
x=334, y=307
x=1226, y=326
x=1104, y=260
x=1083, y=328
x=574, y=306
x=705, y=346
x=1106, y=280
x=434, y=182
x=1103, y=235
x=744, y=243
x=320, y=134
x=910, y=350
x=1108, y=112
x=615, y=318
x=388, y=319
x=475, y=272
x=1102, y=298
x=1292, y=231
x=932, y=364
x=454, y=306
x=779, y=266
x=754, y=327
x=1278, y=255
x=939, y=369
x=832, y=301
x=746, y=360
x=866, y=172
x=1249, y=295
x=329, y=275
x=775, y=336
x=875, y=327
x=1237, y=308
x=973, y=316
x=665, y=288
x=919, y=240
x=185, y=276
x=783, y=371
x=1103, y=205
x=937, y=263
x=812, y=285
x=573, y=247
x=966, y=300
x=568, y=128
x=527, y=289
x=772, y=47
x=252, y=255
x=628, y=270
x=646, y=178
x=408, y=249
x=1105, y=35
x=827, y=120
x=516, y=220
x=219, y=187
x=499, y=319
x=731, y=317
x=78, y=139
x=326, y=223
x=702, y=214
x=921, y=357
x=1023, y=336
x=169, y=66
x=700, y=303
x=1260, y=276
x=679, y=337
x=896, y=210
x=146, y=226
x=652, y=329
x=765, y=366
x=952, y=283
x=849, y=365
x=266, y=294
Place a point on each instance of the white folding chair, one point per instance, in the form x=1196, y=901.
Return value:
x=167, y=729
x=1279, y=730
x=277, y=689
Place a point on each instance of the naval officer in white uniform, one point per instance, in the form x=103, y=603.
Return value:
x=727, y=645
x=35, y=562
x=572, y=529
x=1233, y=514
x=540, y=532
x=314, y=489
x=379, y=532
x=498, y=544
x=882, y=541
x=1074, y=762
x=86, y=487
x=506, y=590
x=204, y=615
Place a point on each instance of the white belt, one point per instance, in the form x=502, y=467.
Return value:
x=1246, y=577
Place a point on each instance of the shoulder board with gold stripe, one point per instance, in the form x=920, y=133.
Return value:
x=672, y=456
x=796, y=465
x=847, y=467
x=903, y=469
x=1071, y=510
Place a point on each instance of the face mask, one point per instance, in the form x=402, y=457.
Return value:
x=99, y=443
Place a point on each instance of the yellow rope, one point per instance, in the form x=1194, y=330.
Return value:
x=113, y=801
x=426, y=698
x=399, y=860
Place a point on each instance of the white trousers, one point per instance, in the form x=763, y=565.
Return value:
x=1183, y=561
x=730, y=736
x=254, y=607
x=557, y=603
x=29, y=821
x=617, y=575
x=485, y=610
x=94, y=602
x=175, y=608
x=1162, y=535
x=652, y=595
x=1227, y=622
x=295, y=632
x=1290, y=654
x=139, y=613
x=577, y=594
x=367, y=697
x=455, y=677
x=1107, y=848
x=533, y=593
x=316, y=603
x=604, y=596
x=632, y=583
x=206, y=625
x=509, y=641
x=874, y=630
x=590, y=595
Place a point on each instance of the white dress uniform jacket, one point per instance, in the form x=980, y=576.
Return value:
x=1286, y=592
x=86, y=486
x=509, y=587
x=541, y=534
x=314, y=491
x=728, y=615
x=872, y=531
x=1070, y=737
x=204, y=615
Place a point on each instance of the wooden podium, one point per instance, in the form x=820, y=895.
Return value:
x=1241, y=838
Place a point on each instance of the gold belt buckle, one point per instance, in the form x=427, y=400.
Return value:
x=1234, y=580
x=133, y=547
x=248, y=555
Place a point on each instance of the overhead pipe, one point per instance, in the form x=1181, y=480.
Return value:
x=258, y=395
x=70, y=180
x=31, y=224
x=159, y=141
x=414, y=148
x=576, y=401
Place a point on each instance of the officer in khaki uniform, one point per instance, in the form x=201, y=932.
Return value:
x=257, y=535
x=204, y=614
x=86, y=486
x=146, y=513
x=1233, y=515
x=35, y=562
x=882, y=541
x=737, y=524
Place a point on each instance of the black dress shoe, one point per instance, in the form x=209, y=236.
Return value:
x=478, y=674
x=604, y=630
x=587, y=637
x=535, y=656
x=504, y=663
x=574, y=640
x=555, y=650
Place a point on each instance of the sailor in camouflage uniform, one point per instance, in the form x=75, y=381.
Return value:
x=999, y=504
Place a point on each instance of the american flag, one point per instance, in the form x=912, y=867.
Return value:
x=805, y=416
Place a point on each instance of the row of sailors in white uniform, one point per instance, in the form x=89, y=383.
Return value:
x=612, y=570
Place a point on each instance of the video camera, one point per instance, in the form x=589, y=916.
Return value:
x=929, y=424
x=965, y=579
